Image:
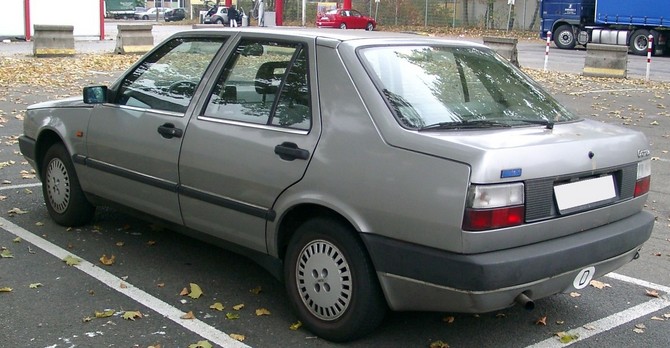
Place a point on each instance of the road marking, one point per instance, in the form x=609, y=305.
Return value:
x=14, y=187
x=194, y=325
x=609, y=90
x=616, y=319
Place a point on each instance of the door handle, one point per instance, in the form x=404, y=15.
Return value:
x=289, y=151
x=169, y=131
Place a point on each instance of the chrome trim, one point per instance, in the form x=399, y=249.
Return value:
x=153, y=111
x=254, y=125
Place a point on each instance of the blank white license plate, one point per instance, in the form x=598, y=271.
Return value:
x=584, y=192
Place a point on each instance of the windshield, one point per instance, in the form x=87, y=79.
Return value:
x=440, y=87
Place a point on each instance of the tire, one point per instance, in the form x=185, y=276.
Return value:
x=564, y=37
x=219, y=21
x=369, y=27
x=64, y=198
x=331, y=282
x=639, y=41
x=343, y=26
x=145, y=17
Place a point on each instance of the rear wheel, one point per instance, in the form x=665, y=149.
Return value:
x=564, y=37
x=65, y=200
x=331, y=281
x=343, y=26
x=639, y=42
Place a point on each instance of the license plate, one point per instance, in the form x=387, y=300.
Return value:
x=583, y=192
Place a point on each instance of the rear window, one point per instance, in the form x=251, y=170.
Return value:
x=429, y=85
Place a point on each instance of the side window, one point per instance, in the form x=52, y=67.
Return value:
x=263, y=83
x=167, y=79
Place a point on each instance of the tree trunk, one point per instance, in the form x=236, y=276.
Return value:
x=537, y=14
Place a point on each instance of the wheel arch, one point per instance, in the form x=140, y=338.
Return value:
x=44, y=141
x=560, y=22
x=298, y=215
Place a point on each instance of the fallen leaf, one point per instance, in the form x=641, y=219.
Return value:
x=17, y=240
x=151, y=242
x=107, y=261
x=232, y=316
x=637, y=330
x=257, y=290
x=541, y=321
x=35, y=285
x=123, y=286
x=132, y=315
x=6, y=289
x=39, y=223
x=575, y=294
x=295, y=326
x=560, y=322
x=87, y=319
x=237, y=337
x=589, y=327
x=666, y=315
x=195, y=292
x=16, y=211
x=6, y=254
x=652, y=293
x=599, y=285
x=640, y=326
x=657, y=318
x=565, y=337
x=200, y=344
x=238, y=307
x=439, y=344
x=183, y=292
x=188, y=315
x=71, y=260
x=262, y=311
x=217, y=306
x=501, y=315
x=160, y=285
x=104, y=314
x=120, y=244
x=448, y=319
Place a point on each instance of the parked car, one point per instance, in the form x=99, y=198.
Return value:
x=219, y=15
x=415, y=173
x=346, y=19
x=151, y=13
x=175, y=14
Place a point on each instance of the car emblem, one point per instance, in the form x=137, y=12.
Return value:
x=643, y=153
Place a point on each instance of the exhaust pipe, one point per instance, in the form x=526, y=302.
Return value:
x=525, y=302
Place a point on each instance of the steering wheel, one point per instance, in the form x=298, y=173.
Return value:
x=182, y=88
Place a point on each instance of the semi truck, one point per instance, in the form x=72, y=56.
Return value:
x=120, y=8
x=614, y=22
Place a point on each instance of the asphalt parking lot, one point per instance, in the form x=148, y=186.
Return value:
x=53, y=304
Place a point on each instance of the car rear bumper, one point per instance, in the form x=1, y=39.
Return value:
x=490, y=281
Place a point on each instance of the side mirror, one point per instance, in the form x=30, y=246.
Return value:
x=95, y=94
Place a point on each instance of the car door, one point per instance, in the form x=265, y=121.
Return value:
x=134, y=141
x=357, y=20
x=253, y=138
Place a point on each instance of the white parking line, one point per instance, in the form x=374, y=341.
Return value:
x=14, y=187
x=616, y=319
x=194, y=325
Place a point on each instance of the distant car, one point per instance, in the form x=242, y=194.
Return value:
x=151, y=13
x=219, y=15
x=346, y=19
x=175, y=14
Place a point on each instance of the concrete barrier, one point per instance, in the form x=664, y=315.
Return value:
x=505, y=46
x=606, y=60
x=53, y=40
x=134, y=39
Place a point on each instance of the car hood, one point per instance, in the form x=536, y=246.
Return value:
x=535, y=151
x=62, y=103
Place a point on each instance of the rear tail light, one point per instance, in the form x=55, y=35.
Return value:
x=643, y=178
x=494, y=206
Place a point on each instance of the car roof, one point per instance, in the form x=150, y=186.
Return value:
x=354, y=37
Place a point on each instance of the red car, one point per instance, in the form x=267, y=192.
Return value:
x=345, y=19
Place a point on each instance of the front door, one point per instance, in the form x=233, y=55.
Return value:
x=134, y=141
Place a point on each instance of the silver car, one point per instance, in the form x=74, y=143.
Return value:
x=368, y=170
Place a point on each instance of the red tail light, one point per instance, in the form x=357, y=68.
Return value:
x=486, y=219
x=642, y=186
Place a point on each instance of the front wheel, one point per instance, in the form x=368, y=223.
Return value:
x=145, y=17
x=343, y=26
x=65, y=200
x=370, y=27
x=331, y=281
x=565, y=37
x=219, y=21
x=639, y=42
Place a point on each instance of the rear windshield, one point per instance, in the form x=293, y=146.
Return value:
x=446, y=86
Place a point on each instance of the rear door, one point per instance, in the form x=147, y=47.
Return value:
x=252, y=139
x=134, y=141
